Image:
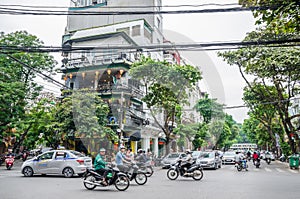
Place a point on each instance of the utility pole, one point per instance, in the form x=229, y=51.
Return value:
x=121, y=110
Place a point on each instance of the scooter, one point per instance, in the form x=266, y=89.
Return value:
x=268, y=160
x=92, y=179
x=194, y=171
x=9, y=161
x=256, y=162
x=241, y=165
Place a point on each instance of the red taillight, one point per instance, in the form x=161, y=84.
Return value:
x=81, y=162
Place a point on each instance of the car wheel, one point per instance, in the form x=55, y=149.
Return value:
x=28, y=172
x=68, y=172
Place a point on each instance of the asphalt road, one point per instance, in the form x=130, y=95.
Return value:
x=274, y=181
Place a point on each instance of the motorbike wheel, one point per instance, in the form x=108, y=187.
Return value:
x=140, y=178
x=8, y=167
x=172, y=174
x=122, y=183
x=28, y=172
x=198, y=174
x=149, y=171
x=239, y=168
x=91, y=179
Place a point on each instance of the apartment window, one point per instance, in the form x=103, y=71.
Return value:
x=136, y=30
x=126, y=30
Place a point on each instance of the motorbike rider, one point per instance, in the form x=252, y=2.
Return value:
x=239, y=157
x=100, y=164
x=121, y=160
x=141, y=158
x=255, y=157
x=187, y=161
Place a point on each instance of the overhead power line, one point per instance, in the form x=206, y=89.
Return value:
x=162, y=6
x=188, y=46
x=13, y=11
x=35, y=70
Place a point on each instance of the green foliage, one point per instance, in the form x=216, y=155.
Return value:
x=209, y=109
x=283, y=17
x=17, y=85
x=166, y=88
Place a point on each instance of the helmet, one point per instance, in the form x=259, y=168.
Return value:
x=188, y=151
x=140, y=150
x=122, y=147
x=102, y=150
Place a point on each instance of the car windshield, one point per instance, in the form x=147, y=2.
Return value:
x=77, y=154
x=229, y=153
x=207, y=155
x=196, y=154
x=173, y=155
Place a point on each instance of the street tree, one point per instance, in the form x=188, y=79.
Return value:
x=166, y=88
x=209, y=109
x=275, y=69
x=18, y=70
x=281, y=16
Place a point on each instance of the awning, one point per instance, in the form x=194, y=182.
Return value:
x=136, y=136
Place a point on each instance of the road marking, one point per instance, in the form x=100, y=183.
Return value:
x=268, y=170
x=280, y=170
x=293, y=171
x=256, y=169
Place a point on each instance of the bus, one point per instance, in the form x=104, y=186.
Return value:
x=244, y=146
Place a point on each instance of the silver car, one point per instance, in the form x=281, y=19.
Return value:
x=229, y=157
x=171, y=158
x=210, y=159
x=65, y=162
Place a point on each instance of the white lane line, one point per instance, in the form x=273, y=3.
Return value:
x=293, y=171
x=256, y=169
x=280, y=170
x=268, y=170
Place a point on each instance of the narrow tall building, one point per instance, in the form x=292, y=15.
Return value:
x=99, y=67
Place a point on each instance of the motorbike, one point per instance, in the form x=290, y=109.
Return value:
x=194, y=171
x=146, y=168
x=256, y=162
x=134, y=173
x=241, y=165
x=92, y=179
x=9, y=161
x=268, y=160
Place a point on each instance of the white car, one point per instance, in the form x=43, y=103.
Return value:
x=63, y=162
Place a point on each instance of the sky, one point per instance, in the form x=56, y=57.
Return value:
x=221, y=81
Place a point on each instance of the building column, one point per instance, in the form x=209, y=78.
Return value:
x=155, y=146
x=146, y=143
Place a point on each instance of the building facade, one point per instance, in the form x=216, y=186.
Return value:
x=98, y=67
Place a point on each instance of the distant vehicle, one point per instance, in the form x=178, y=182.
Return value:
x=171, y=158
x=228, y=157
x=196, y=154
x=243, y=146
x=210, y=159
x=65, y=162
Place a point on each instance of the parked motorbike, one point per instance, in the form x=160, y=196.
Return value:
x=9, y=161
x=92, y=179
x=146, y=168
x=268, y=160
x=241, y=165
x=135, y=174
x=194, y=171
x=256, y=162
